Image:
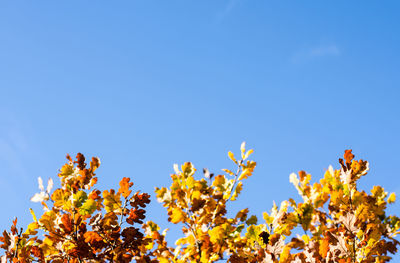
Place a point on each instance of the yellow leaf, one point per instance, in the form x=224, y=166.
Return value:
x=245, y=174
x=163, y=195
x=88, y=207
x=188, y=169
x=237, y=191
x=228, y=172
x=196, y=195
x=218, y=233
x=112, y=201
x=232, y=157
x=68, y=246
x=219, y=182
x=248, y=154
x=253, y=234
x=305, y=238
x=177, y=216
x=61, y=199
x=33, y=215
x=268, y=219
x=31, y=229
x=48, y=220
x=285, y=254
x=48, y=247
x=190, y=182
x=243, y=147
x=66, y=170
x=391, y=198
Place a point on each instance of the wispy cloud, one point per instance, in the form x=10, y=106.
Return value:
x=227, y=10
x=331, y=50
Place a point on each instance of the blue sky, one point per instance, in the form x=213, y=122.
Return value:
x=146, y=84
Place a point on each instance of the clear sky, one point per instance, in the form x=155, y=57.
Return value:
x=146, y=84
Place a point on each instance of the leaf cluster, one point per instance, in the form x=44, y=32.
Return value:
x=80, y=223
x=331, y=221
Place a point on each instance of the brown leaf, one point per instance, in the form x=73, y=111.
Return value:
x=140, y=200
x=14, y=227
x=197, y=204
x=302, y=175
x=136, y=216
x=265, y=237
x=131, y=235
x=80, y=161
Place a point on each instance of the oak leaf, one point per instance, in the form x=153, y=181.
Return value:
x=125, y=184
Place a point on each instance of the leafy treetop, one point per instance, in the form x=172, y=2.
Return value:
x=81, y=223
x=339, y=222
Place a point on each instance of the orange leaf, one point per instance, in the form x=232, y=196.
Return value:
x=91, y=237
x=324, y=247
x=124, y=187
x=94, y=164
x=348, y=156
x=66, y=223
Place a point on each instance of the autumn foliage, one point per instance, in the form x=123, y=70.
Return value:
x=331, y=221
